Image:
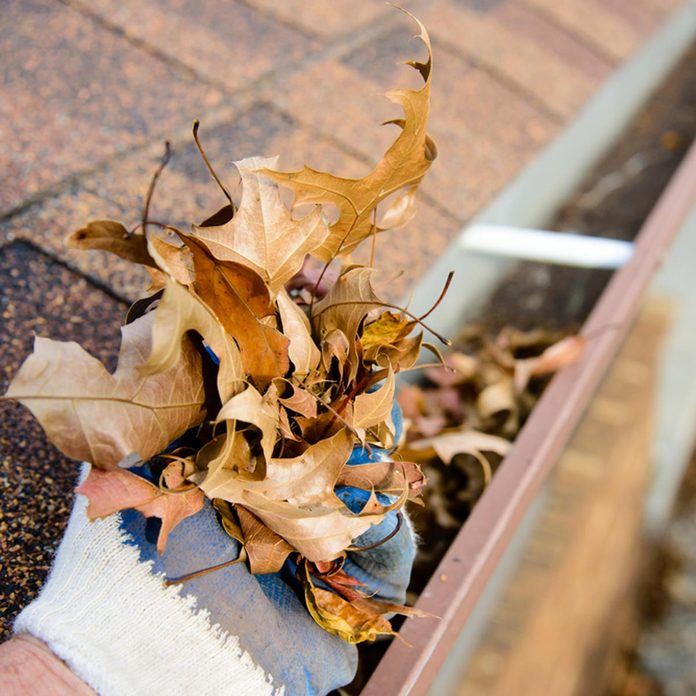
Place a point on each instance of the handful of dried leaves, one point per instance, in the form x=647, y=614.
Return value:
x=248, y=374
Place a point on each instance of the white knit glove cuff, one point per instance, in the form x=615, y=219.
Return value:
x=122, y=631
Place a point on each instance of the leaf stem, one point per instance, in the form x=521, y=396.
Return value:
x=168, y=582
x=153, y=183
x=196, y=125
x=391, y=535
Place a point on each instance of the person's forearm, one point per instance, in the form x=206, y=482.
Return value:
x=28, y=667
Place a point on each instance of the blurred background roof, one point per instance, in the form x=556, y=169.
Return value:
x=90, y=90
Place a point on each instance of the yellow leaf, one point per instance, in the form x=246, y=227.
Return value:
x=388, y=329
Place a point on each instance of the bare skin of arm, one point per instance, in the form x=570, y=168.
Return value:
x=29, y=668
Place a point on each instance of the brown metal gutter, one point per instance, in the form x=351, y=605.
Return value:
x=470, y=561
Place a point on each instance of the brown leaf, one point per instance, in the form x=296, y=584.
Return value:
x=403, y=165
x=102, y=418
x=229, y=519
x=266, y=550
x=400, y=212
x=319, y=533
x=172, y=509
x=335, y=345
x=108, y=235
x=496, y=398
x=301, y=402
x=111, y=491
x=239, y=298
x=342, y=618
x=263, y=234
x=304, y=480
x=284, y=425
x=180, y=311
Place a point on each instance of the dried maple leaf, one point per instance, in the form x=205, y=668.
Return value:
x=263, y=234
x=180, y=311
x=103, y=418
x=112, y=491
x=403, y=166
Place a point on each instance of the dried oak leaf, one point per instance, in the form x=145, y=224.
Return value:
x=111, y=491
x=92, y=415
x=263, y=234
x=240, y=299
x=180, y=311
x=403, y=166
x=448, y=445
x=355, y=621
x=390, y=477
x=318, y=532
x=295, y=499
x=301, y=401
x=304, y=480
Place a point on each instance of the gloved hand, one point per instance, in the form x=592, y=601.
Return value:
x=106, y=612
